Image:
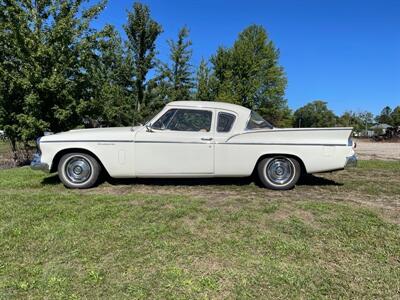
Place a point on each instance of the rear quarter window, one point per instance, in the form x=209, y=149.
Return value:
x=225, y=122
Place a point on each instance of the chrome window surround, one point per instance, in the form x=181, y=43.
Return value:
x=177, y=109
x=233, y=122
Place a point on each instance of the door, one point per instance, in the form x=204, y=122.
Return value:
x=227, y=156
x=179, y=143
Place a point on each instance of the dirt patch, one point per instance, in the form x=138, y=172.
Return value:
x=288, y=211
x=373, y=188
x=367, y=149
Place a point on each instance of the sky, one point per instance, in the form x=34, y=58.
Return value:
x=346, y=53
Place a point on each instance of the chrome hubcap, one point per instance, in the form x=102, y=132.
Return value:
x=78, y=169
x=280, y=171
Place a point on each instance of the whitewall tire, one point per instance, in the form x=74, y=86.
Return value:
x=279, y=172
x=78, y=170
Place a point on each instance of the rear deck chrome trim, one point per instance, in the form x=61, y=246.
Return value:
x=275, y=130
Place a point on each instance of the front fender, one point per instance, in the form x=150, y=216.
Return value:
x=116, y=157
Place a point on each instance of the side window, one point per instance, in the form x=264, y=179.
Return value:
x=185, y=120
x=164, y=120
x=225, y=122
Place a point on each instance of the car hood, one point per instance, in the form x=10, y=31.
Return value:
x=94, y=134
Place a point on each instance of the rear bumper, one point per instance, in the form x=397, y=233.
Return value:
x=37, y=164
x=351, y=162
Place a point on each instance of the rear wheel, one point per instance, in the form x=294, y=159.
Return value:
x=78, y=170
x=279, y=172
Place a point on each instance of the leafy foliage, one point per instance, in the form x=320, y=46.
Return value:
x=107, y=98
x=248, y=74
x=58, y=73
x=395, y=115
x=366, y=118
x=206, y=83
x=44, y=49
x=352, y=119
x=314, y=114
x=389, y=116
x=142, y=32
x=177, y=77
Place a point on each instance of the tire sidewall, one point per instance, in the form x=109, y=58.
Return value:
x=90, y=182
x=262, y=173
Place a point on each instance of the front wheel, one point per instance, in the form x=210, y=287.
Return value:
x=78, y=170
x=279, y=172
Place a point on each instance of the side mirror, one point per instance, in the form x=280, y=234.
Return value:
x=148, y=128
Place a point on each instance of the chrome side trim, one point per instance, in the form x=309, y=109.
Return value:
x=174, y=173
x=249, y=144
x=180, y=142
x=285, y=144
x=170, y=142
x=89, y=141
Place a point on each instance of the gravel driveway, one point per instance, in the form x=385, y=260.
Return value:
x=378, y=150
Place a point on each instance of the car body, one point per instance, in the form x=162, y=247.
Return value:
x=197, y=139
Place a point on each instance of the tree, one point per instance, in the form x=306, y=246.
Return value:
x=42, y=56
x=249, y=74
x=395, y=116
x=351, y=119
x=179, y=74
x=222, y=63
x=314, y=114
x=385, y=116
x=142, y=32
x=108, y=86
x=205, y=82
x=367, y=119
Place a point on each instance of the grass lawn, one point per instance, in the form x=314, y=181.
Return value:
x=335, y=236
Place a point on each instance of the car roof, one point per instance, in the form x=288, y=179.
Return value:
x=210, y=104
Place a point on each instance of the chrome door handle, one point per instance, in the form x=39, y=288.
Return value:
x=206, y=139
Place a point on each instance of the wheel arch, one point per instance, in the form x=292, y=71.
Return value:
x=302, y=165
x=62, y=152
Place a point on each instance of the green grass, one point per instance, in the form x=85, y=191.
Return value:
x=334, y=236
x=380, y=164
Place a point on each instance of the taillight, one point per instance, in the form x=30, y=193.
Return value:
x=351, y=143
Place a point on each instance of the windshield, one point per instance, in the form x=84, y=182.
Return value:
x=151, y=117
x=257, y=122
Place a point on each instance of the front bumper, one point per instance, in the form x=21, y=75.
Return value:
x=36, y=164
x=351, y=162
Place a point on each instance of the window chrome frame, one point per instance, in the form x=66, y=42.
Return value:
x=176, y=110
x=232, y=124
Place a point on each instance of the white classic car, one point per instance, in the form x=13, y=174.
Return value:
x=196, y=139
